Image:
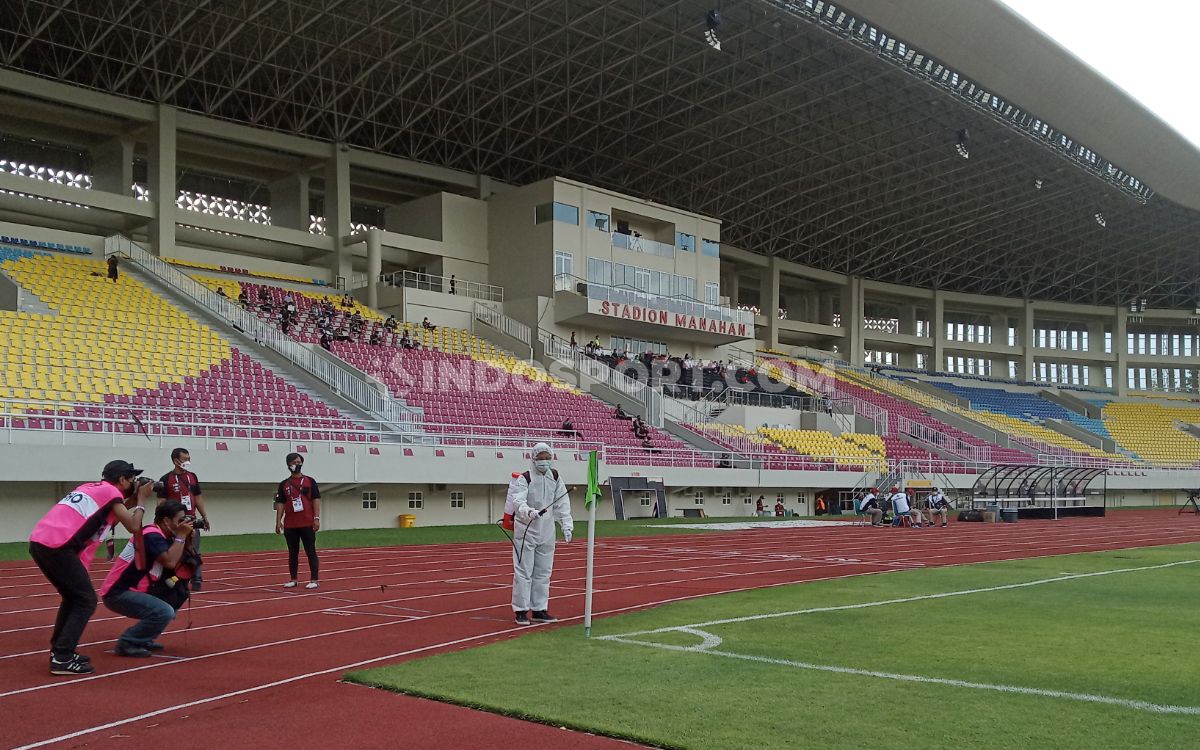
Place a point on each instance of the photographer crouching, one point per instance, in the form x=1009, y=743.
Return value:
x=148, y=582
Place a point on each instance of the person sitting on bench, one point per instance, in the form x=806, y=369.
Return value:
x=869, y=506
x=568, y=430
x=938, y=506
x=620, y=413
x=901, y=508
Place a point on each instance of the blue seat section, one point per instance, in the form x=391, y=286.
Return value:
x=15, y=253
x=1027, y=406
x=40, y=245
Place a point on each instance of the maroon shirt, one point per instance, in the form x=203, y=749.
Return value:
x=296, y=496
x=180, y=486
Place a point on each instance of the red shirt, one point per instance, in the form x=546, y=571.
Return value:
x=297, y=496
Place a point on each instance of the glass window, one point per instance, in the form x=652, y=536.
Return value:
x=712, y=292
x=562, y=263
x=685, y=242
x=597, y=221
x=560, y=212
x=710, y=248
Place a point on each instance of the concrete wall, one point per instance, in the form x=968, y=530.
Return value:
x=521, y=257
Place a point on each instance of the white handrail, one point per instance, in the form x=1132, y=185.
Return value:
x=501, y=322
x=649, y=398
x=443, y=285
x=812, y=381
x=325, y=367
x=938, y=439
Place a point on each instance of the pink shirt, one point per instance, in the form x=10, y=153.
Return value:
x=78, y=520
x=124, y=561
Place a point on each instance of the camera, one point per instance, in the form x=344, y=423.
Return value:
x=189, y=519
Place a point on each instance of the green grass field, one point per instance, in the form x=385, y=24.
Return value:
x=483, y=532
x=1123, y=637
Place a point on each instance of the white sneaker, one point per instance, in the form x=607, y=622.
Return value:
x=311, y=585
x=290, y=585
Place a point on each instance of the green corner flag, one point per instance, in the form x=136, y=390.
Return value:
x=593, y=490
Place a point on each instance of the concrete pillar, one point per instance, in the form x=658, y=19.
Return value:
x=374, y=266
x=769, y=302
x=908, y=320
x=938, y=324
x=999, y=323
x=337, y=209
x=163, y=189
x=853, y=300
x=1026, y=341
x=1121, y=350
x=112, y=166
x=825, y=308
x=289, y=202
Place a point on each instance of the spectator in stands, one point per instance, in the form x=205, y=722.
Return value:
x=263, y=294
x=568, y=430
x=573, y=344
x=780, y=511
x=648, y=445
x=405, y=341
x=639, y=428
x=298, y=518
x=376, y=337
x=343, y=335
x=112, y=268
x=391, y=323
x=452, y=285
x=725, y=461
x=868, y=505
x=356, y=323
x=126, y=590
x=183, y=486
x=221, y=292
x=760, y=506
x=620, y=413
x=347, y=301
x=64, y=542
x=289, y=304
x=326, y=340
x=938, y=506
x=427, y=325
x=243, y=298
x=827, y=404
x=901, y=508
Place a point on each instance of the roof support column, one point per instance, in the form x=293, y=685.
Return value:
x=1026, y=342
x=112, y=166
x=852, y=319
x=337, y=211
x=163, y=188
x=374, y=267
x=1121, y=349
x=769, y=297
x=937, y=361
x=289, y=202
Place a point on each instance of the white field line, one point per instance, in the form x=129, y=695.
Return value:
x=925, y=597
x=710, y=641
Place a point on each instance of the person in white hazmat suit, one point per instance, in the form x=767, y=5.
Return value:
x=537, y=499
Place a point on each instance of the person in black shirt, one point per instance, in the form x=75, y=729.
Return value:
x=112, y=268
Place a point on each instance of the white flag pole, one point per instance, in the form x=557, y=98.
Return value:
x=591, y=551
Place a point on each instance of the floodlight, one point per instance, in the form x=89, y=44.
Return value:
x=1100, y=219
x=963, y=146
x=1037, y=184
x=712, y=20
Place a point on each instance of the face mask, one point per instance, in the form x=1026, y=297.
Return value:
x=185, y=465
x=296, y=468
x=542, y=466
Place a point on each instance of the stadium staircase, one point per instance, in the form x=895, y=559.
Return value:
x=255, y=347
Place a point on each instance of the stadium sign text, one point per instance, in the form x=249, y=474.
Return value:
x=640, y=314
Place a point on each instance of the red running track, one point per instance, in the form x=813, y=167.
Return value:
x=260, y=665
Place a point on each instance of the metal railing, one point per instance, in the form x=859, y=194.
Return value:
x=640, y=244
x=508, y=326
x=650, y=399
x=811, y=381
x=330, y=370
x=940, y=440
x=443, y=285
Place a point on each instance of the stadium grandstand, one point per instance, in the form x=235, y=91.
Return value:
x=837, y=248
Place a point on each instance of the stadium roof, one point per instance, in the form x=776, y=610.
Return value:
x=812, y=135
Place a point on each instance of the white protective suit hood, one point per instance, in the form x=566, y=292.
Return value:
x=541, y=491
x=539, y=448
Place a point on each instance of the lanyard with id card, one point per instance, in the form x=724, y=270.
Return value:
x=297, y=497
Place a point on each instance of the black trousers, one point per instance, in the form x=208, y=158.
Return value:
x=66, y=573
x=294, y=537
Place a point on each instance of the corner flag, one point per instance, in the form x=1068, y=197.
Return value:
x=591, y=500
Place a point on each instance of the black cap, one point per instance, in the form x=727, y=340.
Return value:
x=114, y=470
